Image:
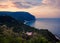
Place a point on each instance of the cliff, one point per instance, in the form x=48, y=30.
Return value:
x=20, y=16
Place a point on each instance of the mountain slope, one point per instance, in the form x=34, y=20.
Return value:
x=12, y=31
x=20, y=16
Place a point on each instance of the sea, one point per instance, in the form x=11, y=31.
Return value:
x=52, y=24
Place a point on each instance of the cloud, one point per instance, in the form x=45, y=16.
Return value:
x=39, y=8
x=23, y=3
x=33, y=3
x=26, y=3
x=47, y=9
x=53, y=3
x=45, y=12
x=3, y=6
x=3, y=0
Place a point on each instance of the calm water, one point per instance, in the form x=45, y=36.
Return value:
x=52, y=25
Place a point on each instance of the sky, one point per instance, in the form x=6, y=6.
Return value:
x=38, y=8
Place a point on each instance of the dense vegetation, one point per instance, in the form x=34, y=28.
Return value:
x=12, y=31
x=20, y=16
x=7, y=35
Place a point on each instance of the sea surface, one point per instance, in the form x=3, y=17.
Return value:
x=52, y=24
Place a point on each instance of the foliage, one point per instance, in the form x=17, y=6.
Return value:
x=7, y=35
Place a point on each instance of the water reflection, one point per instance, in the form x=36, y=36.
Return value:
x=52, y=25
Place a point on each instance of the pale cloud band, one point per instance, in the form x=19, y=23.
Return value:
x=23, y=3
x=33, y=3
